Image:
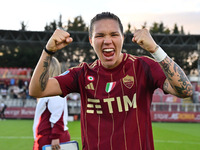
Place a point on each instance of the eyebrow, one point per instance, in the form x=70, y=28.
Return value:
x=110, y=33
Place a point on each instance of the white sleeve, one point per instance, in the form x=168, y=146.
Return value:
x=56, y=107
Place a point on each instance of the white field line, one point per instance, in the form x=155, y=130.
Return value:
x=16, y=137
x=176, y=142
x=28, y=137
x=78, y=138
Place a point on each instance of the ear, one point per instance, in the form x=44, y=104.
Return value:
x=90, y=40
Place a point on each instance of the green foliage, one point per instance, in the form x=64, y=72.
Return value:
x=154, y=28
x=175, y=29
x=129, y=29
x=54, y=25
x=51, y=27
x=159, y=28
x=20, y=56
x=77, y=25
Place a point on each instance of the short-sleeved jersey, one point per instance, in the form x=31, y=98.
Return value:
x=115, y=103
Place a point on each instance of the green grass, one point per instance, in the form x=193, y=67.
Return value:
x=17, y=134
x=176, y=136
x=75, y=132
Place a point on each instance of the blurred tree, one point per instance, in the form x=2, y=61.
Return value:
x=167, y=31
x=175, y=29
x=60, y=24
x=54, y=25
x=159, y=28
x=182, y=30
x=77, y=24
x=129, y=29
x=144, y=25
x=51, y=27
x=154, y=28
x=23, y=26
x=19, y=56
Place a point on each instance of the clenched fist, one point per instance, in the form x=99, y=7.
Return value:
x=58, y=40
x=143, y=38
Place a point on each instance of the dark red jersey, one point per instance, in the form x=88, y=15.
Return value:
x=115, y=103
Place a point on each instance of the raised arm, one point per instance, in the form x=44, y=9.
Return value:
x=177, y=82
x=41, y=85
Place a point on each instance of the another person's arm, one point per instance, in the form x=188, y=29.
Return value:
x=41, y=85
x=177, y=82
x=56, y=107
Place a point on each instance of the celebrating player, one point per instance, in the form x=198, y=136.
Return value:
x=116, y=90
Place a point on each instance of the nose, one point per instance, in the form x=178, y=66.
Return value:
x=107, y=41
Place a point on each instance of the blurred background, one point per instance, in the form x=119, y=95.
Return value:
x=26, y=26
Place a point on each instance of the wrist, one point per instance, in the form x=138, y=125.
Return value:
x=48, y=52
x=159, y=54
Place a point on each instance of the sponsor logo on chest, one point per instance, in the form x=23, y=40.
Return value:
x=95, y=105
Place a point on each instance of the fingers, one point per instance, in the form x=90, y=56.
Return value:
x=143, y=38
x=55, y=147
x=61, y=36
x=58, y=40
x=138, y=36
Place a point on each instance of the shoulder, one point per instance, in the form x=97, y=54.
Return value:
x=145, y=62
x=134, y=58
x=85, y=66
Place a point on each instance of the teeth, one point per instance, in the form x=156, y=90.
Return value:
x=108, y=50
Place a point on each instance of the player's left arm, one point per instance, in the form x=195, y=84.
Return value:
x=177, y=82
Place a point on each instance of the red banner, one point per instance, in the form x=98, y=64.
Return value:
x=19, y=112
x=175, y=116
x=28, y=113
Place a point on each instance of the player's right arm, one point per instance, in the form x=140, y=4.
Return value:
x=41, y=85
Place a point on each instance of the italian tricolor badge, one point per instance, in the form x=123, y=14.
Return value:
x=110, y=86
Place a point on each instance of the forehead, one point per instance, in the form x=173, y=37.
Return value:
x=106, y=25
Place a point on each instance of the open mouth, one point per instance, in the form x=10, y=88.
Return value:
x=108, y=52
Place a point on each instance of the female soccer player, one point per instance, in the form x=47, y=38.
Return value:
x=116, y=90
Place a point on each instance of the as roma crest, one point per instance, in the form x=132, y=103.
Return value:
x=128, y=81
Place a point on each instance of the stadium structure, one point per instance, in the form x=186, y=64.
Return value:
x=164, y=107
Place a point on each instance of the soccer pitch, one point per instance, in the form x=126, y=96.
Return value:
x=17, y=134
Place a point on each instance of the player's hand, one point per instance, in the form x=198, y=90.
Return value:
x=55, y=144
x=58, y=40
x=143, y=38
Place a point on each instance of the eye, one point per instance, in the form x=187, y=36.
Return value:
x=115, y=34
x=98, y=36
